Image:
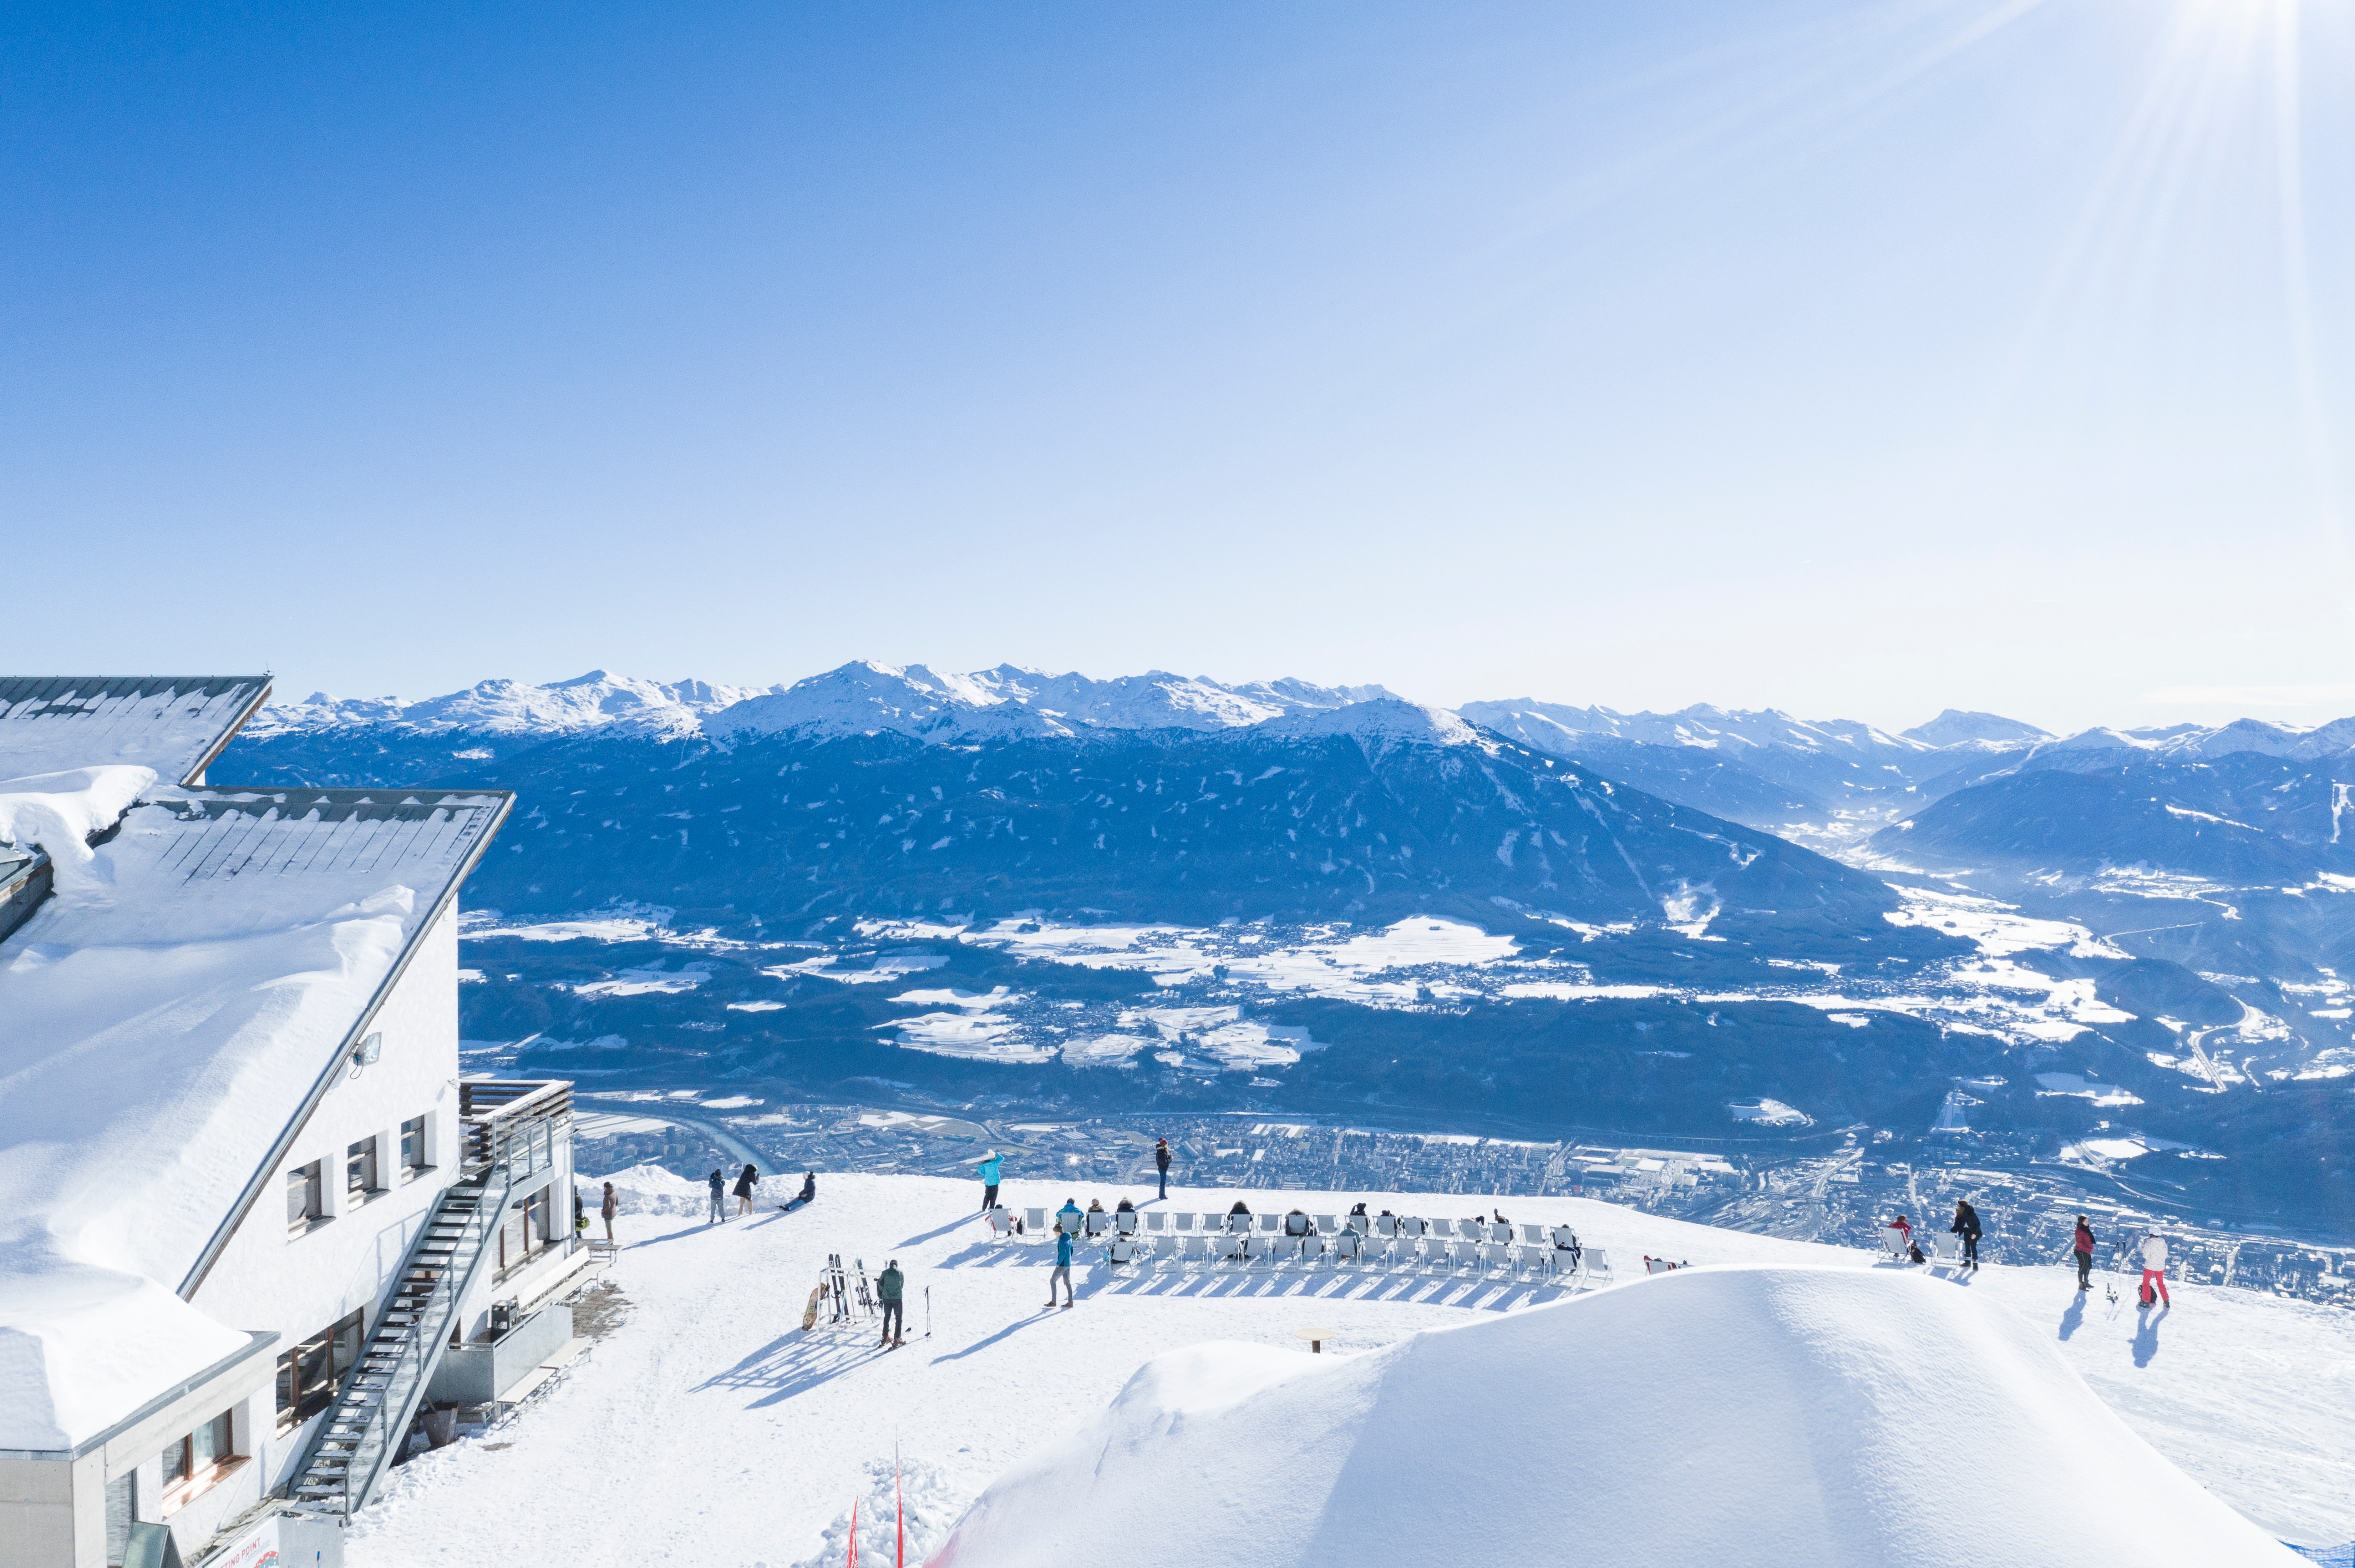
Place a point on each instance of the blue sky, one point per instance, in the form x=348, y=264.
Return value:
x=1859, y=360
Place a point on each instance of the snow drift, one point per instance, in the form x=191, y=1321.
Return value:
x=1803, y=1416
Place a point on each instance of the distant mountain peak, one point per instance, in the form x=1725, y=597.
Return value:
x=1954, y=727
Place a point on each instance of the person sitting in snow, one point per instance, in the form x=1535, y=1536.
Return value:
x=1124, y=1207
x=809, y=1188
x=1095, y=1205
x=1067, y=1218
x=1297, y=1224
x=1904, y=1227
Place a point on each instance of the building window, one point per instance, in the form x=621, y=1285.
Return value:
x=525, y=1235
x=303, y=1207
x=413, y=1146
x=309, y=1374
x=194, y=1462
x=360, y=1169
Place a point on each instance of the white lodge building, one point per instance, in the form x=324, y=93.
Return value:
x=247, y=1203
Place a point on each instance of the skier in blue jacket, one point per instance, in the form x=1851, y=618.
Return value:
x=1062, y=1267
x=989, y=1168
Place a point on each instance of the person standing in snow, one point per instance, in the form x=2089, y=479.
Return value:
x=991, y=1163
x=1161, y=1164
x=608, y=1208
x=745, y=1185
x=2083, y=1244
x=888, y=1288
x=1966, y=1225
x=719, y=1183
x=2154, y=1269
x=1062, y=1262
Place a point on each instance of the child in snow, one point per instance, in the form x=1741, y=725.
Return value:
x=2154, y=1269
x=2083, y=1244
x=750, y=1179
x=719, y=1183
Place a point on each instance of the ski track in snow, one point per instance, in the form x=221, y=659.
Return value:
x=706, y=1428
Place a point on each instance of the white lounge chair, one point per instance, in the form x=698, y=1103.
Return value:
x=1001, y=1224
x=1595, y=1264
x=1184, y=1221
x=1895, y=1244
x=1035, y=1222
x=1533, y=1235
x=1124, y=1222
x=1157, y=1223
x=1438, y=1227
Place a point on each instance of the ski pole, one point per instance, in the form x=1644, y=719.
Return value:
x=928, y=1311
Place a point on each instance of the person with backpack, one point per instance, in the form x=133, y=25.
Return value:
x=745, y=1185
x=718, y=1182
x=1966, y=1225
x=2154, y=1269
x=1161, y=1164
x=1063, y=1262
x=2083, y=1244
x=991, y=1163
x=888, y=1286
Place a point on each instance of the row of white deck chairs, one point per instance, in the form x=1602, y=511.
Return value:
x=1937, y=1246
x=1385, y=1242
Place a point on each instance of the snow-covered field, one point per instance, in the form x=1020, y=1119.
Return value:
x=707, y=1428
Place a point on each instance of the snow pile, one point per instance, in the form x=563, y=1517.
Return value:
x=62, y=812
x=651, y=1190
x=1763, y=1415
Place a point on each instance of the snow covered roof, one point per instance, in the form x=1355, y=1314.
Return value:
x=167, y=1018
x=174, y=723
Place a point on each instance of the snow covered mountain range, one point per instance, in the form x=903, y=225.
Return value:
x=865, y=697
x=1333, y=899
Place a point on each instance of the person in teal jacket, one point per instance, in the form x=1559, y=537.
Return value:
x=990, y=1163
x=1062, y=1264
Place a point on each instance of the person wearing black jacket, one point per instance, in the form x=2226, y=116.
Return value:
x=745, y=1185
x=1966, y=1225
x=1161, y=1163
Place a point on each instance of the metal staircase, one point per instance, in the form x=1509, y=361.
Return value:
x=512, y=1131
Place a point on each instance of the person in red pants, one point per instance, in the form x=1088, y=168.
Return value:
x=2154, y=1269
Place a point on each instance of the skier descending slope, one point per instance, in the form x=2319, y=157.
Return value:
x=2154, y=1269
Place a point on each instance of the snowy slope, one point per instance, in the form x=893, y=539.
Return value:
x=1809, y=1417
x=707, y=1428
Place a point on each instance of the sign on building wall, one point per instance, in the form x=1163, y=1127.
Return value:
x=256, y=1547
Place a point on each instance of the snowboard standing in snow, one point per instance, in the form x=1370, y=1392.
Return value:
x=809, y=1314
